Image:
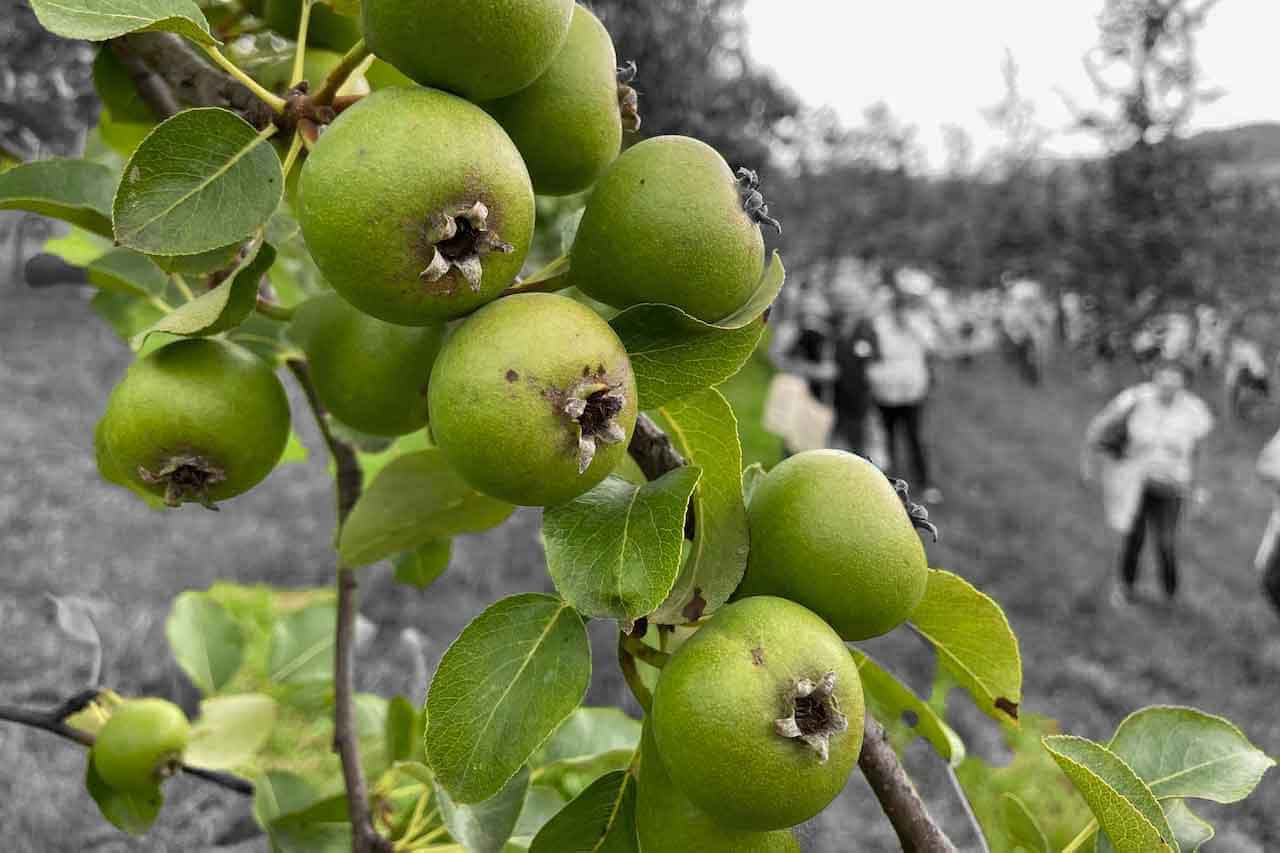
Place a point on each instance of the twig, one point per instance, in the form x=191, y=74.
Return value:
x=968, y=809
x=54, y=722
x=152, y=88
x=349, y=481
x=358, y=53
x=652, y=449
x=916, y=829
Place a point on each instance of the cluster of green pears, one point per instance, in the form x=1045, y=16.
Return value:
x=757, y=719
x=417, y=205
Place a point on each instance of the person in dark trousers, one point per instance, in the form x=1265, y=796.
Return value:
x=1268, y=559
x=900, y=379
x=1151, y=435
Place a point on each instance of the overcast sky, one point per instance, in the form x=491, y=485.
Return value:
x=937, y=62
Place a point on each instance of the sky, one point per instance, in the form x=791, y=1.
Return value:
x=937, y=62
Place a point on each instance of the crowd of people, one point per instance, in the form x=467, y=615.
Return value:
x=859, y=341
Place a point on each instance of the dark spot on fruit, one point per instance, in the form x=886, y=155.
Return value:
x=910, y=718
x=1010, y=708
x=586, y=370
x=757, y=656
x=512, y=376
x=600, y=370
x=694, y=609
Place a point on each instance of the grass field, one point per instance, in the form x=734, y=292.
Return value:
x=1016, y=523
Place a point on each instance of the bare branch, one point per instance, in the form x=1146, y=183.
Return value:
x=652, y=449
x=916, y=829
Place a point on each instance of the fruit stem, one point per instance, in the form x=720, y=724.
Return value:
x=627, y=663
x=299, y=55
x=276, y=102
x=351, y=60
x=290, y=158
x=1085, y=834
x=642, y=652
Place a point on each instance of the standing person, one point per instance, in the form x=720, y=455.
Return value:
x=1268, y=559
x=900, y=379
x=1150, y=435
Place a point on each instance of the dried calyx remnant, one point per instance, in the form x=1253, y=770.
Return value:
x=814, y=714
x=753, y=200
x=459, y=238
x=628, y=97
x=917, y=512
x=185, y=478
x=593, y=406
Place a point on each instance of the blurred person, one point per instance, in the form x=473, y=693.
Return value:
x=1267, y=561
x=900, y=377
x=1026, y=320
x=798, y=406
x=1245, y=379
x=1211, y=337
x=1149, y=435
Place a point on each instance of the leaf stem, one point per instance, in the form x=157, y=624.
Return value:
x=642, y=652
x=627, y=663
x=276, y=103
x=183, y=288
x=291, y=157
x=351, y=60
x=299, y=56
x=968, y=809
x=1080, y=840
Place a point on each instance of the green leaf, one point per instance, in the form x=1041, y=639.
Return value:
x=279, y=792
x=974, y=643
x=302, y=646
x=230, y=730
x=99, y=20
x=512, y=676
x=126, y=315
x=674, y=355
x=224, y=307
x=751, y=477
x=206, y=641
x=404, y=731
x=615, y=551
x=415, y=499
x=587, y=733
x=1182, y=752
x=203, y=263
x=1022, y=826
x=904, y=714
x=1123, y=804
x=130, y=811
x=117, y=91
x=703, y=428
x=75, y=191
x=485, y=826
x=77, y=247
x=423, y=565
x=540, y=805
x=129, y=273
x=766, y=291
x=1189, y=828
x=201, y=180
x=322, y=827
x=602, y=819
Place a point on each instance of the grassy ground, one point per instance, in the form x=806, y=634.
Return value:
x=1015, y=522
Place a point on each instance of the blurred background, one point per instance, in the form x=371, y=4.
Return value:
x=1061, y=199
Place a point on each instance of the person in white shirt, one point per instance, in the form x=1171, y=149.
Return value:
x=899, y=377
x=1151, y=434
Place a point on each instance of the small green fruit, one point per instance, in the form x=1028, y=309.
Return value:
x=567, y=124
x=368, y=374
x=667, y=822
x=326, y=28
x=829, y=531
x=416, y=206
x=533, y=399
x=197, y=420
x=666, y=223
x=141, y=744
x=480, y=49
x=758, y=717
